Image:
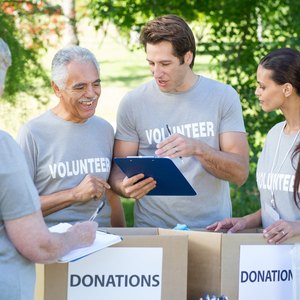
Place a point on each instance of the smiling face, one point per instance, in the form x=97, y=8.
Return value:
x=270, y=94
x=169, y=73
x=79, y=98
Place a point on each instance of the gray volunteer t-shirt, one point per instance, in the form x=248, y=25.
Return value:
x=61, y=153
x=281, y=180
x=205, y=111
x=18, y=198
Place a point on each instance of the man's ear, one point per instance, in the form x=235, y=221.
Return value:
x=56, y=89
x=287, y=89
x=188, y=57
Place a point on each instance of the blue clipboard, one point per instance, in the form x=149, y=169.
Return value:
x=170, y=181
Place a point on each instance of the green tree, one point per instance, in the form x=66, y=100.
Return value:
x=241, y=33
x=27, y=27
x=130, y=15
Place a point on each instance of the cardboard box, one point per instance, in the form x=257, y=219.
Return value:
x=54, y=281
x=213, y=261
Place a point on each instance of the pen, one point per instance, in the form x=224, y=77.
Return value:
x=169, y=131
x=100, y=206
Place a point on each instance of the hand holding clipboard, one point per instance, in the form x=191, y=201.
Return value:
x=170, y=181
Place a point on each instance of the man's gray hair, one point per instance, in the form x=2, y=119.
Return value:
x=63, y=57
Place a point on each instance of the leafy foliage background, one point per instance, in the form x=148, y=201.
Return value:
x=26, y=27
x=235, y=33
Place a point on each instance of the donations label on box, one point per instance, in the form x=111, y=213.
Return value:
x=117, y=273
x=265, y=272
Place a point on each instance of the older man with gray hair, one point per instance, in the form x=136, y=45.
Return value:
x=69, y=149
x=24, y=236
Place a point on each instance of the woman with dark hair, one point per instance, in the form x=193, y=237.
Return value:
x=278, y=168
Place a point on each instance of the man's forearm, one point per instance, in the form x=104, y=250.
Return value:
x=224, y=165
x=117, y=211
x=115, y=180
x=56, y=201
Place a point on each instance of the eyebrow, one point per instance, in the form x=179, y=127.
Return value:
x=161, y=61
x=80, y=84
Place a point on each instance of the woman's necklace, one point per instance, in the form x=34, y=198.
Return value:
x=273, y=202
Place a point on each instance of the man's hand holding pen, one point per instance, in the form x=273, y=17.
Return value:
x=176, y=145
x=90, y=187
x=84, y=232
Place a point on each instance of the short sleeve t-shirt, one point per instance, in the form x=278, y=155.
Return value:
x=207, y=110
x=276, y=174
x=61, y=153
x=18, y=198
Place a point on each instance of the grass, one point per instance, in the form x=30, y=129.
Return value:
x=128, y=205
x=121, y=70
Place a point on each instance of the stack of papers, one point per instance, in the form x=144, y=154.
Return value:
x=102, y=241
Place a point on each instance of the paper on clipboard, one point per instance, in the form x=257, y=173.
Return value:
x=170, y=181
x=102, y=241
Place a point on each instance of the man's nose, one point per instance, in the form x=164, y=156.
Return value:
x=91, y=91
x=157, y=71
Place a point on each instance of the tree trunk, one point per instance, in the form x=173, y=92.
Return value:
x=70, y=33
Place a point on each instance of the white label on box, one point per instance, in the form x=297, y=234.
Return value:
x=265, y=272
x=117, y=273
